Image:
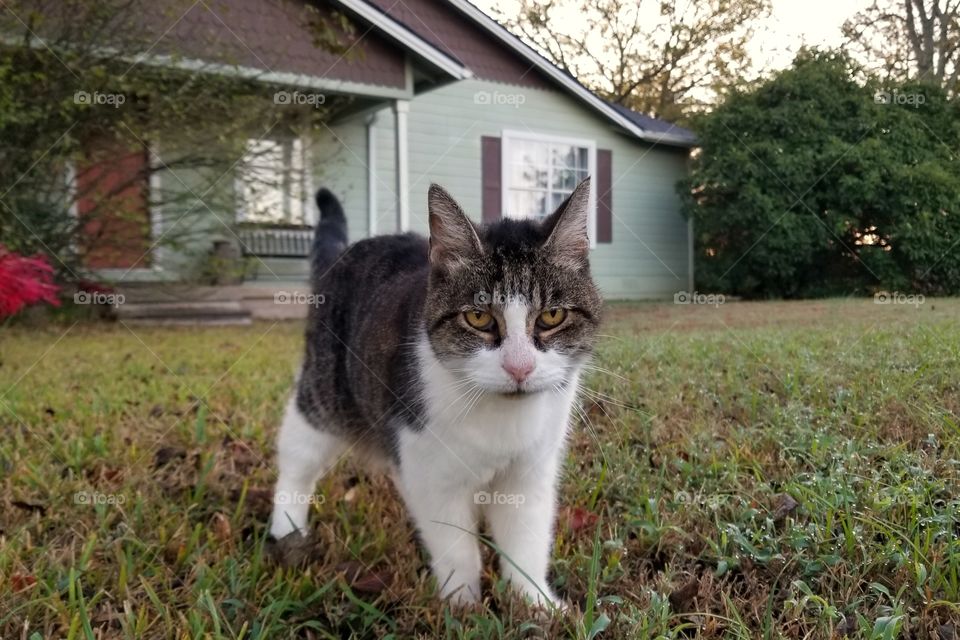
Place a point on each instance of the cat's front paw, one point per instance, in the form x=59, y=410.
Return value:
x=463, y=596
x=544, y=599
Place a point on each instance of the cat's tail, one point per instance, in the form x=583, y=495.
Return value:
x=330, y=237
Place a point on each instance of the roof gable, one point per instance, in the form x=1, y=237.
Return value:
x=494, y=53
x=449, y=30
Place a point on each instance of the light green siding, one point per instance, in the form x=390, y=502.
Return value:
x=648, y=256
x=339, y=156
x=193, y=209
x=649, y=253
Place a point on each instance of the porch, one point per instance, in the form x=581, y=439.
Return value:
x=219, y=246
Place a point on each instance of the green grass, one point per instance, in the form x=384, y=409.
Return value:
x=748, y=471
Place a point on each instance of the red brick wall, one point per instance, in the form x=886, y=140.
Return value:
x=113, y=199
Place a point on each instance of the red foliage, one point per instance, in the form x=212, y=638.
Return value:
x=25, y=281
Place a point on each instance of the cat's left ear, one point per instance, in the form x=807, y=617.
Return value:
x=567, y=227
x=453, y=237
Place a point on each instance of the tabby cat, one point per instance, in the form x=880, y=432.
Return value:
x=452, y=363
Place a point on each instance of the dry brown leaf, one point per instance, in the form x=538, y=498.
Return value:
x=22, y=582
x=785, y=505
x=220, y=525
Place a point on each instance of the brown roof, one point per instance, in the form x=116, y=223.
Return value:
x=275, y=36
x=440, y=24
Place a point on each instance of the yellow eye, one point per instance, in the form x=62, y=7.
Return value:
x=479, y=320
x=552, y=317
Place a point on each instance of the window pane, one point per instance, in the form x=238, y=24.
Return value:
x=296, y=181
x=526, y=204
x=541, y=175
x=529, y=152
x=582, y=159
x=570, y=157
x=261, y=194
x=564, y=155
x=557, y=199
x=528, y=177
x=564, y=179
x=580, y=176
x=272, y=188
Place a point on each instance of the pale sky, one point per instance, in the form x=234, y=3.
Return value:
x=792, y=23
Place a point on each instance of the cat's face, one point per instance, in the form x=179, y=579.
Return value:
x=511, y=307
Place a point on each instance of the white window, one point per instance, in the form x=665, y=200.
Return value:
x=274, y=183
x=540, y=171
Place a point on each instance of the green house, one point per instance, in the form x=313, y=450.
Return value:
x=439, y=92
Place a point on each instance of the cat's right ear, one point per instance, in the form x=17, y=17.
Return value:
x=453, y=237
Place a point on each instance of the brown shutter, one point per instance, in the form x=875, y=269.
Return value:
x=490, y=174
x=113, y=196
x=604, y=195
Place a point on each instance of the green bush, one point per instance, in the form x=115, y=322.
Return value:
x=816, y=183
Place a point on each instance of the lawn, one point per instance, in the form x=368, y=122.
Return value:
x=751, y=470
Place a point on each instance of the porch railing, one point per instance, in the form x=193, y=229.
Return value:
x=276, y=242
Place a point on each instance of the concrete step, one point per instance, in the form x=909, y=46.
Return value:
x=273, y=301
x=269, y=309
x=184, y=313
x=193, y=321
x=152, y=293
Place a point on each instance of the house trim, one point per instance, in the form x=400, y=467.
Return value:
x=565, y=80
x=283, y=78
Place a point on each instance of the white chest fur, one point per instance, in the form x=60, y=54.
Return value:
x=478, y=434
x=481, y=451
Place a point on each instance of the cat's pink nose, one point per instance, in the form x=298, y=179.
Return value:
x=519, y=371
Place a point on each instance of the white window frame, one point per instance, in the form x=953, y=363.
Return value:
x=510, y=136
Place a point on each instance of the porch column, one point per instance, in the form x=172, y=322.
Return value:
x=691, y=257
x=372, y=214
x=400, y=109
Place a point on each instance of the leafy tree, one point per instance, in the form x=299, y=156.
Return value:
x=82, y=85
x=815, y=184
x=649, y=56
x=904, y=40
